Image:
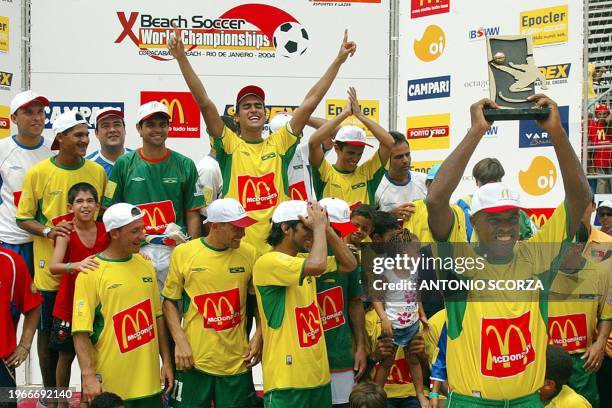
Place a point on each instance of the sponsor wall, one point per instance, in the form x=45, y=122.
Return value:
x=443, y=70
x=282, y=46
x=10, y=59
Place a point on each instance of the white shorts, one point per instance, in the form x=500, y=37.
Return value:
x=341, y=386
x=160, y=256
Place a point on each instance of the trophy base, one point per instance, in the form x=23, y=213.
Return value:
x=516, y=114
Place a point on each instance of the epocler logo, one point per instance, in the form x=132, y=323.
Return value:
x=134, y=326
x=547, y=25
x=157, y=216
x=540, y=177
x=569, y=331
x=331, y=305
x=506, y=348
x=431, y=45
x=257, y=193
x=219, y=310
x=428, y=132
x=308, y=324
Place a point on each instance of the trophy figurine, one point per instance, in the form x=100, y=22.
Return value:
x=512, y=77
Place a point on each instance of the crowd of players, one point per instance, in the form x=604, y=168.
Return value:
x=279, y=281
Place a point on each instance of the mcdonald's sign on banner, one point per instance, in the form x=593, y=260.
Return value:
x=539, y=216
x=331, y=305
x=157, y=216
x=257, y=193
x=569, y=331
x=506, y=348
x=183, y=109
x=134, y=326
x=308, y=325
x=219, y=310
x=297, y=191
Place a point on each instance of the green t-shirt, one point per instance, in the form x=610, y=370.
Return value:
x=164, y=189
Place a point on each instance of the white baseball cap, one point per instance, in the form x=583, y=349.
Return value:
x=339, y=213
x=495, y=197
x=64, y=122
x=605, y=204
x=228, y=210
x=151, y=108
x=290, y=211
x=278, y=121
x=120, y=214
x=352, y=135
x=102, y=113
x=23, y=99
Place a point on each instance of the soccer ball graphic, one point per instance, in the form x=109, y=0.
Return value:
x=290, y=40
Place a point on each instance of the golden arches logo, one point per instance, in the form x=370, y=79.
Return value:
x=538, y=219
x=574, y=340
x=218, y=309
x=256, y=197
x=327, y=300
x=151, y=218
x=296, y=194
x=138, y=332
x=601, y=135
x=506, y=194
x=399, y=374
x=173, y=105
x=312, y=324
x=308, y=325
x=504, y=346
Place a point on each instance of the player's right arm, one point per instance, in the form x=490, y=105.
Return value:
x=440, y=214
x=315, y=150
x=207, y=107
x=85, y=352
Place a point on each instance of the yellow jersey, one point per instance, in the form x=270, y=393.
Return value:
x=418, y=225
x=44, y=198
x=568, y=398
x=213, y=286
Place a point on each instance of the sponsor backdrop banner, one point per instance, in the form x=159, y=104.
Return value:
x=10, y=60
x=443, y=70
x=281, y=46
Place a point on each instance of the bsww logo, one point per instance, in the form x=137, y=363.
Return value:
x=331, y=305
x=308, y=324
x=219, y=310
x=569, y=331
x=257, y=193
x=482, y=32
x=134, y=326
x=429, y=88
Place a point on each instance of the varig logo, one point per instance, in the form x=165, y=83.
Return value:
x=506, y=348
x=569, y=331
x=482, y=32
x=157, y=216
x=431, y=45
x=88, y=110
x=183, y=109
x=428, y=132
x=547, y=25
x=297, y=191
x=247, y=30
x=134, y=326
x=422, y=8
x=257, y=193
x=540, y=177
x=331, y=305
x=308, y=325
x=219, y=310
x=531, y=135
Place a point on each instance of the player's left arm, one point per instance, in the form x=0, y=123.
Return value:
x=194, y=225
x=253, y=354
x=318, y=91
x=357, y=315
x=193, y=199
x=345, y=258
x=167, y=375
x=383, y=137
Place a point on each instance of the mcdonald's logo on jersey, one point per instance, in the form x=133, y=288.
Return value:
x=257, y=193
x=297, y=191
x=308, y=324
x=134, y=326
x=506, y=348
x=183, y=109
x=157, y=216
x=399, y=372
x=539, y=216
x=331, y=305
x=569, y=331
x=219, y=310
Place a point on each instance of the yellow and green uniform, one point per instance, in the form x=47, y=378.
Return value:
x=497, y=349
x=417, y=223
x=578, y=301
x=334, y=291
x=164, y=189
x=355, y=187
x=294, y=351
x=255, y=174
x=568, y=398
x=118, y=304
x=44, y=198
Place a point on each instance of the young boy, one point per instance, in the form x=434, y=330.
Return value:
x=401, y=312
x=71, y=255
x=362, y=217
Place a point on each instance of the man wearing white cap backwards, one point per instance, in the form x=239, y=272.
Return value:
x=117, y=322
x=212, y=276
x=295, y=366
x=254, y=170
x=110, y=131
x=43, y=212
x=162, y=183
x=497, y=348
x=18, y=154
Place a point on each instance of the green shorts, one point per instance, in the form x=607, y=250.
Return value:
x=464, y=401
x=196, y=388
x=299, y=398
x=152, y=401
x=582, y=382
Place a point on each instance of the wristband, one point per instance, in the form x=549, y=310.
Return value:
x=433, y=395
x=68, y=268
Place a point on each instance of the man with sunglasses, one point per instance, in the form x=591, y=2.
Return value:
x=604, y=211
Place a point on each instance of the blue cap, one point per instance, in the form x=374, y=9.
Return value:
x=431, y=174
